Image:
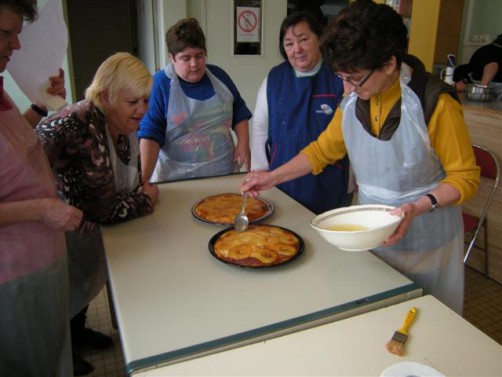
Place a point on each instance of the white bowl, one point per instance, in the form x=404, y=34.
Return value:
x=356, y=228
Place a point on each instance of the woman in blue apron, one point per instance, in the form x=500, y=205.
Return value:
x=294, y=105
x=194, y=108
x=424, y=169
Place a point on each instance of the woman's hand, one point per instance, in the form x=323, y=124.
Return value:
x=445, y=194
x=257, y=181
x=57, y=87
x=152, y=191
x=242, y=155
x=58, y=215
x=409, y=212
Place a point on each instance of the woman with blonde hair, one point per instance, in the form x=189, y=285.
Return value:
x=94, y=154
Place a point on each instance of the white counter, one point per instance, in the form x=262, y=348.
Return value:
x=439, y=338
x=174, y=301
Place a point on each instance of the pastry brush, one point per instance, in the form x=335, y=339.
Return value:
x=396, y=344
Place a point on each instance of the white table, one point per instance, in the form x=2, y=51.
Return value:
x=175, y=301
x=439, y=338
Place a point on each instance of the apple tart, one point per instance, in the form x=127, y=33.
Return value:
x=222, y=208
x=259, y=246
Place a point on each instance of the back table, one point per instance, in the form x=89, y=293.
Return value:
x=174, y=301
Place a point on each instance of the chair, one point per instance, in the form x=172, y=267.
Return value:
x=472, y=224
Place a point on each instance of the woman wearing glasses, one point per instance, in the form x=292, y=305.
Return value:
x=294, y=105
x=401, y=156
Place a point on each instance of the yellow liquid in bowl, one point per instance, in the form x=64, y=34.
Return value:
x=347, y=227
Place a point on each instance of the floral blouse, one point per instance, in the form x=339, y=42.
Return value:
x=76, y=144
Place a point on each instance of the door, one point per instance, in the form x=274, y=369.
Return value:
x=97, y=29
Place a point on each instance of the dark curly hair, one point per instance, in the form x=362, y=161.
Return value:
x=185, y=33
x=25, y=8
x=292, y=20
x=364, y=35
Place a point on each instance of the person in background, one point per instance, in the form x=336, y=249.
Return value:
x=193, y=108
x=295, y=103
x=423, y=165
x=314, y=7
x=484, y=68
x=94, y=154
x=34, y=316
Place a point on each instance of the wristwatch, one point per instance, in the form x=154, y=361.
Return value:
x=434, y=202
x=39, y=110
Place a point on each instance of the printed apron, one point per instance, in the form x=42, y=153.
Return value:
x=198, y=138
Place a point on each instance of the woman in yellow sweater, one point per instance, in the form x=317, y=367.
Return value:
x=401, y=155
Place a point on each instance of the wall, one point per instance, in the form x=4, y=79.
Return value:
x=247, y=71
x=216, y=19
x=482, y=23
x=147, y=37
x=17, y=95
x=423, y=30
x=481, y=17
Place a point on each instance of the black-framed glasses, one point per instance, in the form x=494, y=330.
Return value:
x=358, y=84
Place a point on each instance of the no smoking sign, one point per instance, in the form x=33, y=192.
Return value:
x=248, y=24
x=247, y=21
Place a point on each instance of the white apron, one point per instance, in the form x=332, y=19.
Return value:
x=198, y=138
x=34, y=318
x=87, y=266
x=401, y=170
x=126, y=176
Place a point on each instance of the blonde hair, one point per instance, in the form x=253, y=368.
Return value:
x=121, y=71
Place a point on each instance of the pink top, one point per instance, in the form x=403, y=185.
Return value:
x=24, y=174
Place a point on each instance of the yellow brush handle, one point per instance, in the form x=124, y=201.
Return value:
x=410, y=317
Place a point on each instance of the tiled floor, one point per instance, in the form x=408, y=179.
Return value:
x=483, y=303
x=483, y=308
x=107, y=363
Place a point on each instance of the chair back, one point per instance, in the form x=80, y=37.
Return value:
x=490, y=168
x=488, y=162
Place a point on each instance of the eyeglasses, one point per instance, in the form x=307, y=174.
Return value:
x=358, y=84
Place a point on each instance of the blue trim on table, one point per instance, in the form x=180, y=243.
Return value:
x=149, y=362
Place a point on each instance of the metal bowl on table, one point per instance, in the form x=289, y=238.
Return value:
x=479, y=93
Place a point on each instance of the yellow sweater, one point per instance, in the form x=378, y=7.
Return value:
x=448, y=135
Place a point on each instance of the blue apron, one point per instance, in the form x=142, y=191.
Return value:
x=300, y=108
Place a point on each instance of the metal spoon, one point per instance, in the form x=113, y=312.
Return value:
x=241, y=221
